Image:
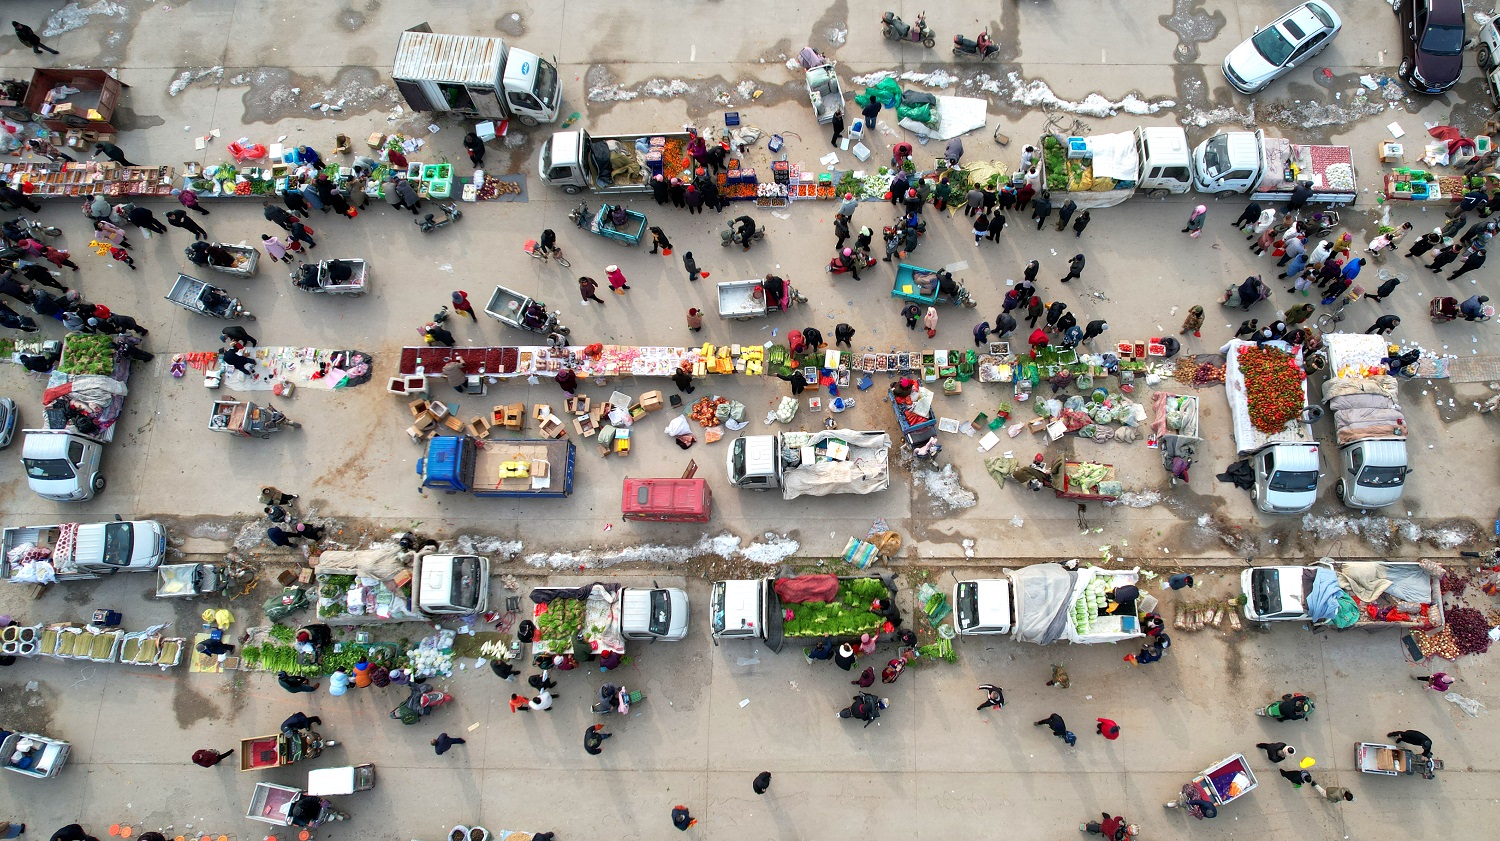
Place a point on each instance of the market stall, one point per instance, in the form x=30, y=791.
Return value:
x=80, y=102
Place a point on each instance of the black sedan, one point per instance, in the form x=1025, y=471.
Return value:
x=1432, y=43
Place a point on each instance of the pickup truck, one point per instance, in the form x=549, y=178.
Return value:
x=1285, y=462
x=1370, y=428
x=608, y=614
x=613, y=163
x=62, y=456
x=522, y=468
x=1269, y=168
x=450, y=585
x=1383, y=594
x=811, y=464
x=79, y=551
x=1110, y=168
x=1045, y=603
x=754, y=608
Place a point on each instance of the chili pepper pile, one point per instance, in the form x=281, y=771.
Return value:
x=1273, y=387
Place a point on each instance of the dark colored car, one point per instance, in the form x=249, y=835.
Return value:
x=1432, y=43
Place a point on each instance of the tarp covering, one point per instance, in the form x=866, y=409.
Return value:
x=1115, y=155
x=374, y=563
x=1043, y=594
x=1323, y=598
x=866, y=470
x=807, y=588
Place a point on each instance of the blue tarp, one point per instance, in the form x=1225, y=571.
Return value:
x=1323, y=599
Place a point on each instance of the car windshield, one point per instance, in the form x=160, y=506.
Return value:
x=546, y=83
x=1443, y=40
x=1272, y=46
x=1382, y=477
x=1294, y=480
x=716, y=608
x=968, y=604
x=119, y=539
x=661, y=613
x=466, y=582
x=1265, y=591
x=737, y=461
x=47, y=468
x=1216, y=155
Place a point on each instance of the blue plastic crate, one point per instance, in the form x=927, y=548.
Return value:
x=731, y=118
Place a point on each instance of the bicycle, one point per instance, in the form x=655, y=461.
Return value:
x=538, y=253
x=1328, y=320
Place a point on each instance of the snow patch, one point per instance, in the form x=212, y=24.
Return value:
x=491, y=547
x=936, y=79
x=188, y=77
x=746, y=89
x=947, y=493
x=771, y=550
x=872, y=79
x=73, y=16
x=1037, y=93
x=1137, y=499
x=1387, y=532
x=659, y=88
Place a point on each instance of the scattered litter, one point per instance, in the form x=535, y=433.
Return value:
x=747, y=661
x=745, y=703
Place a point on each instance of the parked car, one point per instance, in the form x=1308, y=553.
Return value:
x=8, y=421
x=1432, y=43
x=1286, y=43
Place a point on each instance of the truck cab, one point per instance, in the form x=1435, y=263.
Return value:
x=62, y=466
x=742, y=610
x=983, y=607
x=1166, y=165
x=1286, y=478
x=451, y=585
x=1489, y=49
x=754, y=463
x=1228, y=163
x=1372, y=473
x=657, y=613
x=1277, y=594
x=564, y=162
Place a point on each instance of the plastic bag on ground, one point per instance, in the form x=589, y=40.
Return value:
x=1471, y=706
x=678, y=425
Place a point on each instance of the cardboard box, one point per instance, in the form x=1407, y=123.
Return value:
x=453, y=423
x=418, y=435
x=514, y=417
x=577, y=405
x=605, y=450
x=479, y=427
x=376, y=140
x=651, y=401
x=552, y=427
x=584, y=425
x=417, y=407
x=1037, y=424
x=540, y=412
x=540, y=467
x=424, y=421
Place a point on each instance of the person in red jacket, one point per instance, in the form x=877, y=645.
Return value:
x=1112, y=827
x=1108, y=729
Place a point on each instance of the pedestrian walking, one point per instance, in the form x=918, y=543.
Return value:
x=683, y=379
x=1384, y=325
x=1094, y=329
x=567, y=381
x=444, y=743
x=695, y=319
x=279, y=216
x=1059, y=728
x=838, y=126
x=593, y=739
x=189, y=200
x=1384, y=290
x=460, y=300
x=58, y=257
x=1444, y=256
x=302, y=233
x=1194, y=322
x=475, y=147
x=844, y=658
x=616, y=279
x=681, y=818
x=588, y=289
x=840, y=230
x=1335, y=794
x=930, y=321
x=973, y=201
x=292, y=683
x=1075, y=268
x=1112, y=827
x=1247, y=217
x=143, y=218
x=1415, y=738
x=870, y=112
x=981, y=228
x=273, y=246
x=1276, y=751
x=994, y=696
x=1195, y=221
x=1059, y=677
x=11, y=195
x=1472, y=260
x=180, y=219
x=1437, y=681
x=911, y=312
x=1107, y=728
x=72, y=832
x=1080, y=223
x=1425, y=243
x=1295, y=245
x=761, y=783
x=997, y=224
x=208, y=757
x=1065, y=214
x=659, y=241
x=1041, y=209
x=29, y=38
x=111, y=151
x=843, y=334
x=1296, y=776
x=1055, y=312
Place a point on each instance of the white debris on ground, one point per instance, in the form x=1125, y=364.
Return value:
x=1037, y=93
x=771, y=550
x=658, y=88
x=936, y=79
x=947, y=493
x=1137, y=499
x=1386, y=532
x=72, y=16
x=188, y=77
x=837, y=34
x=491, y=547
x=870, y=79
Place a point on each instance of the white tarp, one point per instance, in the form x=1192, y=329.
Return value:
x=1115, y=156
x=866, y=470
x=955, y=114
x=1043, y=594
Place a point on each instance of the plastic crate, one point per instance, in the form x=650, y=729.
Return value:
x=731, y=118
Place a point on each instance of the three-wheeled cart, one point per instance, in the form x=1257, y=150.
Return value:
x=190, y=293
x=335, y=277
x=1221, y=784
x=33, y=755
x=825, y=92
x=628, y=234
x=1394, y=761
x=247, y=419
x=928, y=286
x=272, y=803
x=1066, y=485
x=184, y=581
x=246, y=260
x=743, y=300
x=324, y=782
x=84, y=100
x=260, y=752
x=522, y=312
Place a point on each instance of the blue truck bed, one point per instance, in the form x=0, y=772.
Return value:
x=515, y=468
x=915, y=434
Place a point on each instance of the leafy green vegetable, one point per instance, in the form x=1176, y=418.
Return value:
x=283, y=633
x=561, y=621
x=848, y=616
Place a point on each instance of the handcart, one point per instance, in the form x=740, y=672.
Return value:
x=627, y=235
x=929, y=286
x=824, y=90
x=246, y=260
x=190, y=293
x=1394, y=761
x=33, y=755
x=1065, y=483
x=260, y=752
x=324, y=782
x=1222, y=784
x=334, y=277
x=520, y=311
x=248, y=420
x=743, y=300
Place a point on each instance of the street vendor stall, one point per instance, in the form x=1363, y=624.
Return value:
x=1221, y=784
x=246, y=419
x=261, y=752
x=73, y=101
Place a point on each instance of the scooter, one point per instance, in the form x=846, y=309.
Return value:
x=614, y=699
x=580, y=215
x=982, y=47
x=731, y=234
x=865, y=261
x=451, y=214
x=1291, y=707
x=895, y=29
x=866, y=708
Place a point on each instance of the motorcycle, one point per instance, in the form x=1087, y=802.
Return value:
x=34, y=229
x=982, y=47
x=326, y=812
x=451, y=214
x=1291, y=707
x=866, y=260
x=895, y=29
x=1319, y=224
x=617, y=699
x=580, y=215
x=866, y=708
x=421, y=703
x=731, y=234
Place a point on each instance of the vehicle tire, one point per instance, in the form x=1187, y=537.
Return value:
x=572, y=189
x=527, y=121
x=889, y=33
x=1486, y=59
x=1224, y=194
x=929, y=43
x=1159, y=194
x=1404, y=71
x=1338, y=490
x=296, y=425
x=16, y=115
x=249, y=316
x=265, y=436
x=743, y=318
x=98, y=483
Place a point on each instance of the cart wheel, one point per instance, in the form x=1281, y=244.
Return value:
x=16, y=115
x=625, y=243
x=743, y=318
x=248, y=316
x=929, y=43
x=296, y=425
x=265, y=435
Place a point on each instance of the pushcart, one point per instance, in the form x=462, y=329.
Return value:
x=928, y=286
x=33, y=755
x=248, y=420
x=190, y=293
x=324, y=782
x=334, y=277
x=260, y=752
x=522, y=312
x=743, y=300
x=246, y=260
x=1065, y=483
x=184, y=581
x=628, y=234
x=1394, y=761
x=1221, y=784
x=824, y=90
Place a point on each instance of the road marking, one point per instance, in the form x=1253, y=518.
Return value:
x=1102, y=59
x=693, y=53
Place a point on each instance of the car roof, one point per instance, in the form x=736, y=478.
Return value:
x=1445, y=12
x=1300, y=24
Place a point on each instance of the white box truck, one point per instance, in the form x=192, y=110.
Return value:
x=80, y=551
x=1045, y=603
x=475, y=76
x=1368, y=422
x=838, y=461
